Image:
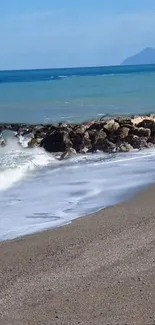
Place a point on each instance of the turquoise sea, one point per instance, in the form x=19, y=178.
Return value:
x=38, y=96
x=38, y=191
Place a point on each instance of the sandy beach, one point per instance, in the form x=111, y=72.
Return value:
x=98, y=270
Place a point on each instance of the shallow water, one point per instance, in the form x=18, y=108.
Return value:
x=37, y=191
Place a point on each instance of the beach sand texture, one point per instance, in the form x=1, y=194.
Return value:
x=98, y=270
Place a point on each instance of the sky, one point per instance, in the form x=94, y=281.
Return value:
x=72, y=33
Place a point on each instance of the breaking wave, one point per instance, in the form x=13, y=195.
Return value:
x=17, y=162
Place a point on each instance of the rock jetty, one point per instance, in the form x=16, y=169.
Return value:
x=118, y=134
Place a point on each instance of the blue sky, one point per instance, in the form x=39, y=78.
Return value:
x=64, y=33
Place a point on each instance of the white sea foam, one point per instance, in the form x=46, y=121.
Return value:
x=54, y=192
x=17, y=163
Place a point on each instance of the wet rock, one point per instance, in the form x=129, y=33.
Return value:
x=111, y=125
x=151, y=140
x=80, y=140
x=109, y=135
x=129, y=126
x=136, y=142
x=41, y=131
x=85, y=150
x=97, y=126
x=104, y=145
x=148, y=124
x=3, y=142
x=123, y=132
x=34, y=142
x=25, y=131
x=150, y=144
x=80, y=129
x=124, y=147
x=95, y=136
x=124, y=121
x=58, y=141
x=142, y=132
x=68, y=154
x=64, y=127
x=109, y=146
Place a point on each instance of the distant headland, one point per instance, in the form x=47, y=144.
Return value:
x=146, y=56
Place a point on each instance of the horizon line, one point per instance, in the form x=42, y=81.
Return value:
x=77, y=67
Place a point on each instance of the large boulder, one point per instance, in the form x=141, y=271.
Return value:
x=147, y=124
x=96, y=136
x=151, y=140
x=104, y=145
x=80, y=141
x=136, y=142
x=123, y=132
x=111, y=125
x=58, y=141
x=80, y=129
x=97, y=126
x=142, y=132
x=43, y=132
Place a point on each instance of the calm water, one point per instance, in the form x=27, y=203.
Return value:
x=75, y=94
x=37, y=191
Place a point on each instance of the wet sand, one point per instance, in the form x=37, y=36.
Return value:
x=98, y=270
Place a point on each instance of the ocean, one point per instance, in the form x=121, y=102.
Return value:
x=37, y=191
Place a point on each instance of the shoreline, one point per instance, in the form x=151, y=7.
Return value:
x=95, y=270
x=27, y=236
x=48, y=228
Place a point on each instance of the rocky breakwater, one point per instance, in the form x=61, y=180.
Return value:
x=119, y=134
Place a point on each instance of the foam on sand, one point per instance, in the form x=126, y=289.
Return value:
x=53, y=193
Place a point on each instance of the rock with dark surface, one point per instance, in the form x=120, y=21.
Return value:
x=58, y=141
x=117, y=134
x=151, y=140
x=97, y=126
x=80, y=141
x=147, y=123
x=80, y=129
x=44, y=131
x=96, y=136
x=104, y=145
x=124, y=147
x=137, y=142
x=122, y=121
x=142, y=132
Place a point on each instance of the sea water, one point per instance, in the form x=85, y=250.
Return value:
x=37, y=190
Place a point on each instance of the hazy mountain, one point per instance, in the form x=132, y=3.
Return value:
x=147, y=56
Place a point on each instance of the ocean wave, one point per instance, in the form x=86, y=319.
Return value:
x=73, y=188
x=16, y=163
x=58, y=77
x=108, y=75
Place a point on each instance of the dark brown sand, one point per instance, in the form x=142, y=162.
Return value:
x=99, y=270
